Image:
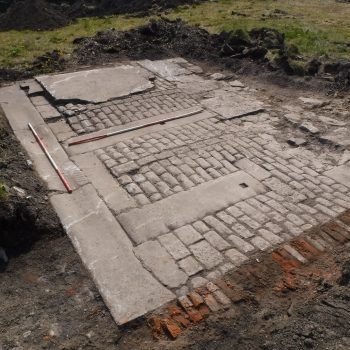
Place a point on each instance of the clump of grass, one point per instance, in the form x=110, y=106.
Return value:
x=3, y=191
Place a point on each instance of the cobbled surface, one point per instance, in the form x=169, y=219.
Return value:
x=165, y=98
x=298, y=194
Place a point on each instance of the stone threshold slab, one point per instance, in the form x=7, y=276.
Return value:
x=127, y=288
x=150, y=221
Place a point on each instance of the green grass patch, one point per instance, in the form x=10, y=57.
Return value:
x=317, y=27
x=3, y=192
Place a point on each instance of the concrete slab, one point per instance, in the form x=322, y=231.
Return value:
x=127, y=288
x=232, y=105
x=97, y=85
x=340, y=174
x=168, y=69
x=186, y=207
x=18, y=109
x=253, y=169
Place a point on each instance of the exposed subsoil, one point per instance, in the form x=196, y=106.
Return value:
x=49, y=302
x=50, y=14
x=25, y=213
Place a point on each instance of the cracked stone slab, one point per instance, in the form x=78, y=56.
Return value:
x=127, y=288
x=150, y=221
x=232, y=105
x=340, y=174
x=168, y=69
x=158, y=260
x=97, y=85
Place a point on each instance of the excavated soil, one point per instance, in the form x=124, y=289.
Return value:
x=50, y=14
x=49, y=302
x=241, y=52
x=25, y=212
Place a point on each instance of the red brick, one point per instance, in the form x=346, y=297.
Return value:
x=173, y=310
x=182, y=320
x=171, y=327
x=329, y=229
x=196, y=299
x=155, y=323
x=211, y=303
x=194, y=315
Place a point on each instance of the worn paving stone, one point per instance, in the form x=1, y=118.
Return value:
x=188, y=234
x=190, y=266
x=174, y=246
x=160, y=263
x=206, y=254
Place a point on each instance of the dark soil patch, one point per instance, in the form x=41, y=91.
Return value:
x=262, y=52
x=50, y=14
x=25, y=211
x=33, y=14
x=49, y=301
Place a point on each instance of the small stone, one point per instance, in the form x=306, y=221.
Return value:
x=297, y=141
x=308, y=127
x=206, y=254
x=312, y=102
x=188, y=234
x=216, y=241
x=198, y=282
x=190, y=266
x=237, y=84
x=218, y=76
x=293, y=118
x=236, y=257
x=174, y=246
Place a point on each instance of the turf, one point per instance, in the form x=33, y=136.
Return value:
x=317, y=27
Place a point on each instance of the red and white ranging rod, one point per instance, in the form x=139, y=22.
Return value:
x=53, y=163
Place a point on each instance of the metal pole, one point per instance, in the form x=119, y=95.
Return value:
x=118, y=132
x=53, y=163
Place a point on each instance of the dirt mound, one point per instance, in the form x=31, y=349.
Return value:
x=49, y=14
x=164, y=38
x=33, y=14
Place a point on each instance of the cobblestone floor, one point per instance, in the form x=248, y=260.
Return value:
x=165, y=98
x=282, y=191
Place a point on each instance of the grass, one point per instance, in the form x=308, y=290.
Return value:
x=3, y=192
x=317, y=27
